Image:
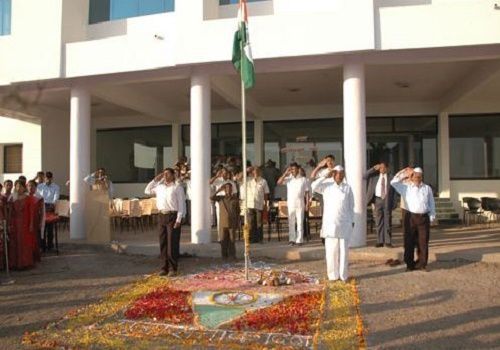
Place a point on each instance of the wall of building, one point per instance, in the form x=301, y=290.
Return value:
x=33, y=50
x=52, y=38
x=403, y=24
x=29, y=135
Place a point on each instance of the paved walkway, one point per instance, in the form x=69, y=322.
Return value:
x=473, y=243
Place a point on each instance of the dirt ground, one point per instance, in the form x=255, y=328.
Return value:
x=453, y=306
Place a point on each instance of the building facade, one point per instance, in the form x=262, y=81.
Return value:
x=132, y=85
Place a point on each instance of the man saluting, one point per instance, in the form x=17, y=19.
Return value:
x=419, y=201
x=170, y=201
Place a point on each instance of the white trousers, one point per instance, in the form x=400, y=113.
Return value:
x=296, y=216
x=336, y=252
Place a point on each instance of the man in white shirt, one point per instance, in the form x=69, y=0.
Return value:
x=170, y=201
x=297, y=190
x=419, y=202
x=258, y=195
x=338, y=221
x=50, y=192
x=324, y=168
x=380, y=193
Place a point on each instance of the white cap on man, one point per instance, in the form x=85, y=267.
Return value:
x=338, y=168
x=418, y=170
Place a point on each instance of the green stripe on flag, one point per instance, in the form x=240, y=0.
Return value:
x=242, y=56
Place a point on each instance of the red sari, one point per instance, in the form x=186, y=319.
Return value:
x=3, y=216
x=26, y=219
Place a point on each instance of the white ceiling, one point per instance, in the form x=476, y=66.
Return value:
x=427, y=82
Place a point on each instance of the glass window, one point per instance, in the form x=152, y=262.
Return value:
x=143, y=152
x=418, y=124
x=226, y=141
x=474, y=147
x=5, y=16
x=105, y=10
x=302, y=140
x=13, y=159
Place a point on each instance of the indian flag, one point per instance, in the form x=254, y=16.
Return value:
x=242, y=53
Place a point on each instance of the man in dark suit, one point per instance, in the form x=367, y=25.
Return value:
x=381, y=193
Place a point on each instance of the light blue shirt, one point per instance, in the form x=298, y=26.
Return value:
x=417, y=199
x=49, y=193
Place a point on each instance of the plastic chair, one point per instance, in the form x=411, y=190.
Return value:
x=62, y=211
x=471, y=207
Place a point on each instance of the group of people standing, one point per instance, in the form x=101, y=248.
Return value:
x=23, y=209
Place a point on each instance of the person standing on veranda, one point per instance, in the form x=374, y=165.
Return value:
x=258, y=196
x=337, y=222
x=217, y=182
x=99, y=181
x=170, y=201
x=50, y=192
x=297, y=200
x=324, y=167
x=380, y=193
x=419, y=202
x=229, y=219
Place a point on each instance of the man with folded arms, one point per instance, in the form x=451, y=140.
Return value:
x=170, y=201
x=419, y=202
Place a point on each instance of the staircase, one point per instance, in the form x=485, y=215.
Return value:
x=445, y=212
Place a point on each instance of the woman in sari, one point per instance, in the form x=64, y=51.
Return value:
x=25, y=222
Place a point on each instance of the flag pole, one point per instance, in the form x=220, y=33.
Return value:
x=246, y=229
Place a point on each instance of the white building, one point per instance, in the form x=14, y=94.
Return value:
x=131, y=85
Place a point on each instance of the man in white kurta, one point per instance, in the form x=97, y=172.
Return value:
x=297, y=190
x=338, y=221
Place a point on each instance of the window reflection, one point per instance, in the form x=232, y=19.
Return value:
x=134, y=155
x=474, y=146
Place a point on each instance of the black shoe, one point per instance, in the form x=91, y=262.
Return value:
x=389, y=245
x=163, y=273
x=300, y=244
x=172, y=274
x=409, y=268
x=291, y=243
x=379, y=245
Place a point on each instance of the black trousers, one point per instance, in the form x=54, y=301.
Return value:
x=170, y=238
x=47, y=241
x=383, y=221
x=416, y=235
x=255, y=223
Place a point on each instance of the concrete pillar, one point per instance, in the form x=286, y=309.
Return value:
x=79, y=159
x=443, y=155
x=258, y=141
x=200, y=159
x=176, y=141
x=355, y=145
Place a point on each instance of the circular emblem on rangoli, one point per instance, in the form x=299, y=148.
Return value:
x=233, y=298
